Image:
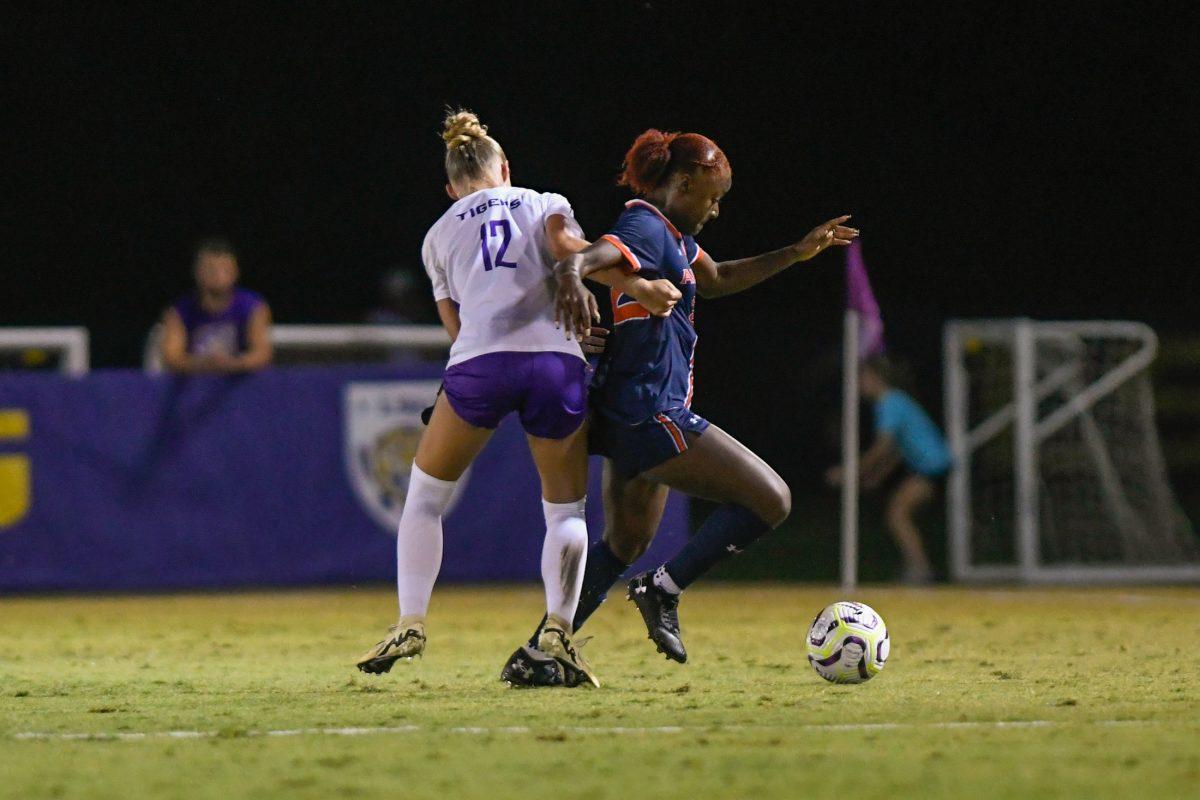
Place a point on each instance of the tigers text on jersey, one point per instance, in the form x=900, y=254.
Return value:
x=489, y=254
x=647, y=363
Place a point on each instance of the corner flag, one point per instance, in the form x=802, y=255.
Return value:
x=861, y=299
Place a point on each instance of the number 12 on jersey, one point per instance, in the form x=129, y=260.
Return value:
x=488, y=230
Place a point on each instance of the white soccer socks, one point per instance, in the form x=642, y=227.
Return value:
x=419, y=548
x=564, y=554
x=419, y=541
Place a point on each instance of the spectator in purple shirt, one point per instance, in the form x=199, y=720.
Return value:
x=220, y=328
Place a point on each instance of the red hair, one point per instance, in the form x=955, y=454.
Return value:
x=655, y=155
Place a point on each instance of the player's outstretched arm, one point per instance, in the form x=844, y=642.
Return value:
x=715, y=279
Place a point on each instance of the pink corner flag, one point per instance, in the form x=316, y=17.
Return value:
x=860, y=298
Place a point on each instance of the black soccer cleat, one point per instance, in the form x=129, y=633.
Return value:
x=660, y=612
x=529, y=667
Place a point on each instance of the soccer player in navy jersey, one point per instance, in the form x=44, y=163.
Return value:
x=642, y=392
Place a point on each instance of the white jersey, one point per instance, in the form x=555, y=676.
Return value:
x=489, y=254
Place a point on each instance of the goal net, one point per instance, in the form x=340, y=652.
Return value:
x=1059, y=472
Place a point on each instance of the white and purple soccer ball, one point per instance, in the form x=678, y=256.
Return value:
x=848, y=643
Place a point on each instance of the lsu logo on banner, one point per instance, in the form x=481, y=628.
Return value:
x=14, y=468
x=382, y=428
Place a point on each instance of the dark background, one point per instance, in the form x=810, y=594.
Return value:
x=1000, y=161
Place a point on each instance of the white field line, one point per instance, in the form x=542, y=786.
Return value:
x=585, y=729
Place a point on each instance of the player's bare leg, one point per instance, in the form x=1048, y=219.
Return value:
x=719, y=468
x=449, y=444
x=913, y=493
x=446, y=449
x=633, y=510
x=753, y=499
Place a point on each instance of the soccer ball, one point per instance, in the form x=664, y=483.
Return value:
x=848, y=643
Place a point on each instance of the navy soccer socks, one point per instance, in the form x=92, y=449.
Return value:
x=601, y=571
x=728, y=530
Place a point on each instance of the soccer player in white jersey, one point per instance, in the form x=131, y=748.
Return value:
x=490, y=258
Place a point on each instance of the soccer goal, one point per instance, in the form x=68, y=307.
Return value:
x=1059, y=472
x=66, y=349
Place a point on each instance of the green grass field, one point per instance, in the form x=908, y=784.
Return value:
x=989, y=693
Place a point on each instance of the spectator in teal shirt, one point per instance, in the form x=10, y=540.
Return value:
x=904, y=434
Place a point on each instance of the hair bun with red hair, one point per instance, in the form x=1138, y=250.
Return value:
x=655, y=154
x=647, y=161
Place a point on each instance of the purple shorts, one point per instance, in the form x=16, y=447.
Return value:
x=548, y=390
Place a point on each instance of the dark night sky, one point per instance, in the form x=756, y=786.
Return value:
x=999, y=162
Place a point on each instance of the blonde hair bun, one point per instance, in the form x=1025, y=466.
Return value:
x=470, y=153
x=461, y=128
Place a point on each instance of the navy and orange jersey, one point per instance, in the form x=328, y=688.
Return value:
x=647, y=364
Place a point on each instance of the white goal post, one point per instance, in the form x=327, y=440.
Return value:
x=72, y=342
x=1059, y=475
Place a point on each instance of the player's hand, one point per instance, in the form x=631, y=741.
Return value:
x=575, y=308
x=595, y=340
x=827, y=234
x=658, y=296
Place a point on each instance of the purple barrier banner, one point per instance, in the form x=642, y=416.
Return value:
x=294, y=476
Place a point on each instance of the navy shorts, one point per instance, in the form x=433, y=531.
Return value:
x=547, y=389
x=634, y=449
